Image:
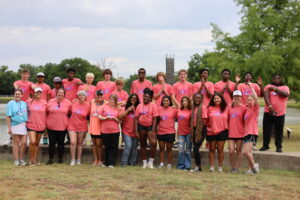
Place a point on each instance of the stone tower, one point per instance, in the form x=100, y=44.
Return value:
x=170, y=69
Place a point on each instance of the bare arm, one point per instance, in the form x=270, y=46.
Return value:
x=175, y=100
x=8, y=120
x=254, y=94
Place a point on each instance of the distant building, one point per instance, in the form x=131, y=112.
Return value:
x=170, y=69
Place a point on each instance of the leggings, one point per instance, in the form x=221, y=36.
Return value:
x=197, y=145
x=59, y=138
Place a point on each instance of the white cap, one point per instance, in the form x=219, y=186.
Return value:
x=40, y=74
x=237, y=93
x=37, y=89
x=56, y=79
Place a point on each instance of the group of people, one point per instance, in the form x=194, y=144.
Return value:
x=216, y=112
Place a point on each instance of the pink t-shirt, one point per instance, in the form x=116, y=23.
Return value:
x=146, y=113
x=128, y=127
x=90, y=91
x=236, y=121
x=246, y=91
x=210, y=86
x=58, y=118
x=219, y=86
x=251, y=120
x=37, y=114
x=278, y=102
x=95, y=122
x=71, y=88
x=167, y=118
x=25, y=86
x=182, y=89
x=184, y=121
x=107, y=88
x=46, y=90
x=109, y=126
x=122, y=95
x=157, y=88
x=138, y=87
x=53, y=93
x=78, y=119
x=217, y=120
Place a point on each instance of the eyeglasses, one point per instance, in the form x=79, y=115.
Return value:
x=141, y=72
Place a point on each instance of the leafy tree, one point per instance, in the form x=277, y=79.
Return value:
x=7, y=78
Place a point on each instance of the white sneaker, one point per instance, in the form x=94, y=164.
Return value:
x=254, y=148
x=161, y=165
x=256, y=168
x=220, y=169
x=150, y=165
x=16, y=163
x=169, y=166
x=78, y=162
x=211, y=169
x=8, y=142
x=144, y=165
x=22, y=163
x=111, y=166
x=73, y=162
x=249, y=171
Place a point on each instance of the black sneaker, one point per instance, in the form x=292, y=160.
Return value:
x=50, y=162
x=60, y=161
x=279, y=150
x=264, y=148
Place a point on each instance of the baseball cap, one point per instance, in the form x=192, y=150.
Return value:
x=37, y=89
x=237, y=93
x=40, y=74
x=56, y=79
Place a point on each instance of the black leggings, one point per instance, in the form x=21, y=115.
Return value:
x=197, y=145
x=59, y=138
x=111, y=143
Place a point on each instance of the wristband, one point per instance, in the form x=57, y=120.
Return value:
x=270, y=106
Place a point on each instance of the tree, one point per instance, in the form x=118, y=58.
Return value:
x=7, y=79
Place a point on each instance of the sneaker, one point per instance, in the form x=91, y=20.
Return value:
x=145, y=165
x=264, y=148
x=220, y=169
x=175, y=145
x=150, y=165
x=60, y=161
x=211, y=169
x=50, y=162
x=78, y=162
x=278, y=150
x=249, y=171
x=73, y=162
x=235, y=170
x=16, y=163
x=8, y=142
x=169, y=166
x=45, y=140
x=256, y=168
x=111, y=166
x=161, y=165
x=197, y=169
x=22, y=163
x=254, y=148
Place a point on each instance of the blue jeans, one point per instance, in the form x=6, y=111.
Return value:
x=130, y=151
x=184, y=152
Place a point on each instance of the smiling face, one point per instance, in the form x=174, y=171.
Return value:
x=182, y=76
x=89, y=80
x=37, y=95
x=60, y=94
x=107, y=77
x=217, y=100
x=161, y=79
x=17, y=95
x=146, y=98
x=237, y=99
x=82, y=97
x=197, y=99
x=250, y=101
x=98, y=98
x=248, y=78
x=166, y=102
x=141, y=74
x=204, y=74
x=71, y=75
x=185, y=102
x=40, y=79
x=276, y=80
x=225, y=75
x=133, y=99
x=24, y=75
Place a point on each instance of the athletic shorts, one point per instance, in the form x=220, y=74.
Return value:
x=250, y=138
x=144, y=128
x=168, y=138
x=28, y=129
x=96, y=136
x=233, y=138
x=222, y=136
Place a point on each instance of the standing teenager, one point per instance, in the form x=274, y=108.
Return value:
x=225, y=86
x=71, y=84
x=217, y=129
x=106, y=86
x=122, y=94
x=88, y=87
x=57, y=83
x=204, y=87
x=110, y=131
x=139, y=85
x=58, y=110
x=236, y=130
x=161, y=89
x=77, y=126
x=40, y=77
x=130, y=137
x=24, y=84
x=145, y=122
x=36, y=124
x=166, y=130
x=16, y=116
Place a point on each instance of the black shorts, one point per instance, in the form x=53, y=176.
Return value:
x=222, y=136
x=96, y=136
x=40, y=132
x=232, y=138
x=250, y=138
x=168, y=138
x=144, y=128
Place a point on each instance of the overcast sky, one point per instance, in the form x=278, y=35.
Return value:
x=129, y=33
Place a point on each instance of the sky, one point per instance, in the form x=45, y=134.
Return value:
x=128, y=34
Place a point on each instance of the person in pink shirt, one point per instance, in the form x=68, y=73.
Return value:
x=251, y=130
x=166, y=130
x=139, y=85
x=95, y=128
x=217, y=129
x=204, y=87
x=71, y=84
x=78, y=126
x=198, y=128
x=58, y=110
x=181, y=88
x=145, y=122
x=225, y=86
x=122, y=94
x=184, y=134
x=57, y=82
x=276, y=96
x=88, y=87
x=24, y=84
x=107, y=86
x=161, y=89
x=110, y=131
x=46, y=95
x=36, y=124
x=236, y=131
x=130, y=137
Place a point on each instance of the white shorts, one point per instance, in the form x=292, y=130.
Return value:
x=19, y=129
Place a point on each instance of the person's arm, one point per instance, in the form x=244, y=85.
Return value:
x=123, y=114
x=281, y=93
x=260, y=84
x=156, y=95
x=8, y=120
x=267, y=100
x=209, y=94
x=136, y=127
x=254, y=94
x=175, y=100
x=79, y=82
x=154, y=125
x=237, y=80
x=16, y=85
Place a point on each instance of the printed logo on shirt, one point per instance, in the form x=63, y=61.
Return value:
x=274, y=93
x=131, y=115
x=247, y=92
x=144, y=112
x=107, y=90
x=69, y=88
x=119, y=99
x=23, y=89
x=108, y=114
x=203, y=91
x=164, y=117
x=37, y=107
x=181, y=117
x=56, y=107
x=217, y=114
x=182, y=91
x=246, y=117
x=95, y=114
x=78, y=112
x=141, y=91
x=234, y=115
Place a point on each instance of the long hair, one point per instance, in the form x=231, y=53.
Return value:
x=115, y=98
x=223, y=102
x=128, y=103
x=169, y=98
x=189, y=103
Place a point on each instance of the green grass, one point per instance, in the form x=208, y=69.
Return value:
x=87, y=182
x=5, y=99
